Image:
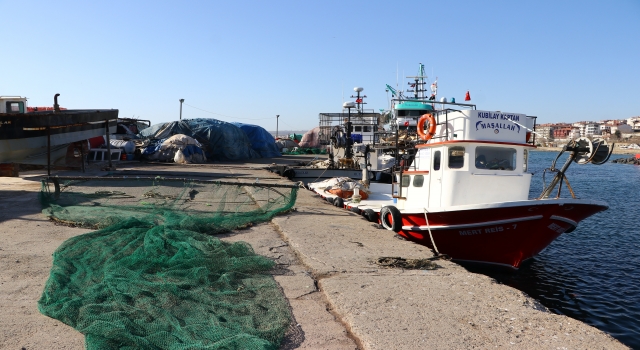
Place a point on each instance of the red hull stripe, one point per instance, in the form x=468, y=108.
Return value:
x=486, y=223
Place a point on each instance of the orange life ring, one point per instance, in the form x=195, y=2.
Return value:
x=432, y=127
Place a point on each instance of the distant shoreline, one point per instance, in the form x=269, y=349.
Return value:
x=615, y=150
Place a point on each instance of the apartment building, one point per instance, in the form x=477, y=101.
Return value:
x=564, y=131
x=588, y=128
x=634, y=122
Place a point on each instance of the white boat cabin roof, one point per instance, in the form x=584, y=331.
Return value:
x=474, y=157
x=13, y=104
x=477, y=125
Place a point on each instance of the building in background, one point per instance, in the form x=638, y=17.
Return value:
x=587, y=128
x=634, y=122
x=563, y=131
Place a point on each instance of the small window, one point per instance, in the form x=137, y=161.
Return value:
x=366, y=128
x=456, y=157
x=436, y=160
x=15, y=107
x=406, y=180
x=526, y=160
x=357, y=128
x=418, y=180
x=495, y=158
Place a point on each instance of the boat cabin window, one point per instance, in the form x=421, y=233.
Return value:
x=456, y=157
x=418, y=180
x=362, y=128
x=495, y=158
x=526, y=160
x=15, y=107
x=406, y=179
x=411, y=112
x=436, y=160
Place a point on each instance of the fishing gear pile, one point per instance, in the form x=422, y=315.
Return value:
x=153, y=275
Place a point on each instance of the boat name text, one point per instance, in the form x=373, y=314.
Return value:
x=495, y=115
x=481, y=231
x=496, y=126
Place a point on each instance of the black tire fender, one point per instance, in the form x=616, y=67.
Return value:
x=338, y=202
x=330, y=200
x=396, y=218
x=370, y=215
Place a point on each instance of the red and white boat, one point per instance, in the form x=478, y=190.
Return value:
x=462, y=189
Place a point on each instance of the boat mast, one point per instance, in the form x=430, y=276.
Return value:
x=418, y=85
x=359, y=99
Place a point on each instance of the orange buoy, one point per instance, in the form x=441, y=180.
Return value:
x=432, y=127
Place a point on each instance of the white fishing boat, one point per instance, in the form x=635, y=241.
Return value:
x=462, y=187
x=349, y=138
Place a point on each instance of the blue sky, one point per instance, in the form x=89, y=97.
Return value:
x=249, y=61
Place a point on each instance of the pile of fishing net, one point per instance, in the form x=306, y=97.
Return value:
x=403, y=138
x=154, y=276
x=179, y=148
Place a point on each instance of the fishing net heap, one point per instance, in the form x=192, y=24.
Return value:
x=153, y=276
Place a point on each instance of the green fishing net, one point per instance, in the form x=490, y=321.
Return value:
x=153, y=276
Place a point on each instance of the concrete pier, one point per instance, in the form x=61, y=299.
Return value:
x=339, y=297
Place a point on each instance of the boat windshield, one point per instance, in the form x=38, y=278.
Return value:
x=495, y=158
x=412, y=112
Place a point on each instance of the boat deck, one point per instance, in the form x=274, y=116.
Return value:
x=379, y=197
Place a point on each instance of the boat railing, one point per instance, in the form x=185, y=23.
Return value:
x=397, y=177
x=531, y=134
x=332, y=124
x=435, y=103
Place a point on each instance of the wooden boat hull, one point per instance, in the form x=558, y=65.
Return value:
x=502, y=234
x=505, y=234
x=24, y=138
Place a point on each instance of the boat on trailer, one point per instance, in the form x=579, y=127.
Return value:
x=462, y=187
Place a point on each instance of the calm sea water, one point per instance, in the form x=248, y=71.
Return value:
x=593, y=273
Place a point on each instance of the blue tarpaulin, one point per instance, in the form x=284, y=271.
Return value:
x=261, y=140
x=220, y=140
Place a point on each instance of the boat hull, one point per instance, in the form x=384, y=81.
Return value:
x=24, y=138
x=504, y=235
x=308, y=175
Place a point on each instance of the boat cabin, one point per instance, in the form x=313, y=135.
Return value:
x=333, y=127
x=13, y=104
x=406, y=114
x=474, y=157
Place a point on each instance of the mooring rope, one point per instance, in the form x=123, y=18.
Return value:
x=430, y=235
